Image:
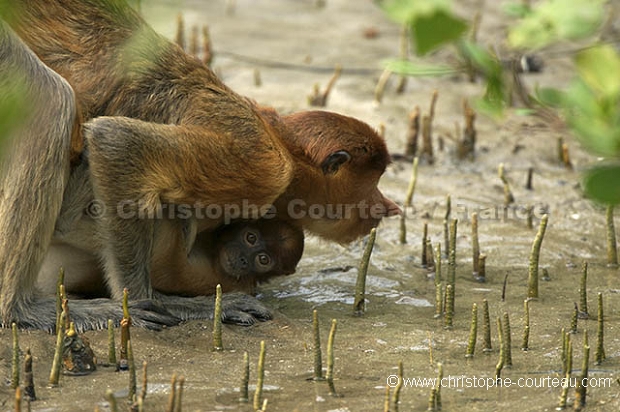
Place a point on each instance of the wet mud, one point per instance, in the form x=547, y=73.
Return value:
x=294, y=45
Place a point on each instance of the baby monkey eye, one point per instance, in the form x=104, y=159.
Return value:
x=263, y=259
x=251, y=238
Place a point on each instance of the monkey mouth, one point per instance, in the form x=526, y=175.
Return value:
x=234, y=263
x=391, y=208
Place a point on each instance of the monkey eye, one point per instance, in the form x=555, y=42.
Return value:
x=251, y=238
x=263, y=259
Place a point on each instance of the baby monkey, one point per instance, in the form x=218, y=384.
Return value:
x=237, y=256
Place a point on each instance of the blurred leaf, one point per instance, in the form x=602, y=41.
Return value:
x=409, y=68
x=494, y=100
x=596, y=135
x=580, y=100
x=13, y=92
x=432, y=21
x=600, y=68
x=489, y=108
x=10, y=113
x=548, y=96
x=139, y=54
x=404, y=11
x=495, y=91
x=481, y=59
x=601, y=183
x=595, y=122
x=554, y=20
x=516, y=9
x=432, y=30
x=525, y=112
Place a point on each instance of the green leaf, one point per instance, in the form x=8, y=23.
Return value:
x=481, y=59
x=13, y=92
x=580, y=99
x=600, y=67
x=516, y=9
x=433, y=30
x=495, y=91
x=548, y=96
x=554, y=20
x=601, y=183
x=489, y=108
x=595, y=120
x=524, y=112
x=409, y=68
x=597, y=135
x=494, y=101
x=405, y=11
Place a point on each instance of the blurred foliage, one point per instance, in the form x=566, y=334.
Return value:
x=13, y=103
x=551, y=21
x=590, y=103
x=412, y=69
x=431, y=22
x=433, y=25
x=601, y=183
x=495, y=96
x=11, y=110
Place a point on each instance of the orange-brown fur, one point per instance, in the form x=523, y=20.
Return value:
x=176, y=272
x=161, y=128
x=317, y=134
x=201, y=271
x=166, y=140
x=314, y=135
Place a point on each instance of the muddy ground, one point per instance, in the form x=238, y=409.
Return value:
x=399, y=323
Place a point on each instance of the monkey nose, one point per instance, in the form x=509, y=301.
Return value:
x=391, y=208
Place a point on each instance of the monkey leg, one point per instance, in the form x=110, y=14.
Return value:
x=84, y=277
x=89, y=314
x=136, y=166
x=35, y=170
x=38, y=142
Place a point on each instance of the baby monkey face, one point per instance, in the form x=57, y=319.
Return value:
x=259, y=249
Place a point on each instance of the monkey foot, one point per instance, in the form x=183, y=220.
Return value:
x=242, y=309
x=237, y=308
x=89, y=314
x=155, y=314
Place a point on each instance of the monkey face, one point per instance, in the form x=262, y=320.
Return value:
x=260, y=249
x=245, y=253
x=347, y=158
x=363, y=210
x=368, y=213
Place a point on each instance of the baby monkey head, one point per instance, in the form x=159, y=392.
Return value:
x=260, y=249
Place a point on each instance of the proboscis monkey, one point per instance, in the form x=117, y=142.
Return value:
x=237, y=256
x=160, y=128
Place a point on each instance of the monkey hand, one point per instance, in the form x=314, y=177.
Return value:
x=237, y=308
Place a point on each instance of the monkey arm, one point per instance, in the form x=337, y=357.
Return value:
x=172, y=272
x=137, y=165
x=190, y=230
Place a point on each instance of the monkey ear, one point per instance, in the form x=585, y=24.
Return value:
x=333, y=161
